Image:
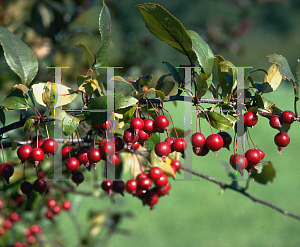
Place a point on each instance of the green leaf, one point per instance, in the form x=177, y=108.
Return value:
x=152, y=141
x=166, y=87
x=263, y=102
x=231, y=119
x=19, y=56
x=267, y=174
x=69, y=124
x=15, y=100
x=180, y=132
x=218, y=121
x=204, y=53
x=2, y=116
x=105, y=30
x=99, y=103
x=87, y=53
x=14, y=144
x=145, y=80
x=272, y=80
x=89, y=86
x=234, y=72
x=202, y=85
x=26, y=91
x=174, y=72
x=122, y=102
x=222, y=69
x=167, y=28
x=127, y=112
x=119, y=78
x=28, y=124
x=284, y=67
x=82, y=78
x=297, y=69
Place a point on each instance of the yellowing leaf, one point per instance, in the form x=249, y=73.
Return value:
x=45, y=94
x=167, y=169
x=131, y=162
x=272, y=80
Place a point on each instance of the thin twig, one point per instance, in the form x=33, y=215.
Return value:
x=241, y=191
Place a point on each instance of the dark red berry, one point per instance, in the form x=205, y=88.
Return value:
x=77, y=177
x=135, y=146
x=214, y=142
x=149, y=126
x=151, y=198
x=250, y=119
x=82, y=156
x=66, y=152
x=50, y=146
x=238, y=161
x=49, y=214
x=179, y=145
x=51, y=203
x=14, y=217
x=26, y=188
x=40, y=185
x=66, y=205
x=262, y=153
x=140, y=176
x=107, y=149
x=7, y=224
x=282, y=139
x=198, y=139
x=201, y=151
x=155, y=173
x=137, y=124
x=56, y=209
x=129, y=137
x=37, y=155
x=119, y=144
x=24, y=152
x=115, y=159
x=72, y=164
x=253, y=156
x=144, y=183
x=287, y=117
x=6, y=171
x=162, y=181
x=131, y=186
x=118, y=186
x=94, y=155
x=227, y=139
x=143, y=136
x=161, y=191
x=37, y=142
x=162, y=149
x=176, y=164
x=275, y=122
x=107, y=185
x=170, y=141
x=161, y=123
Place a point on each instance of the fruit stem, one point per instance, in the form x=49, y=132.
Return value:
x=2, y=151
x=171, y=121
x=251, y=139
x=207, y=119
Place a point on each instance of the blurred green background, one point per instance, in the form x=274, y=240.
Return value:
x=195, y=213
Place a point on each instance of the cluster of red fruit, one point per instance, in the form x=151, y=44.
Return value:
x=282, y=139
x=54, y=209
x=141, y=187
x=30, y=233
x=8, y=222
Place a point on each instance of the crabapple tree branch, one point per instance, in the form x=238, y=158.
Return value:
x=241, y=191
